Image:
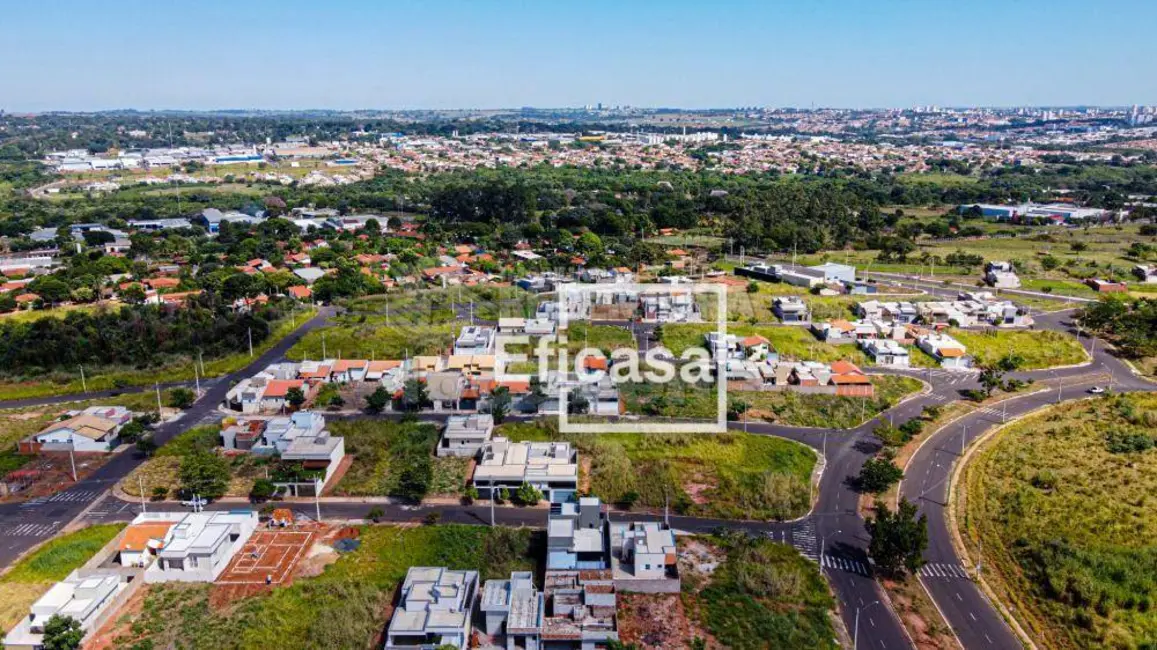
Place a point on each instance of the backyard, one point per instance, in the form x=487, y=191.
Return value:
x=1063, y=504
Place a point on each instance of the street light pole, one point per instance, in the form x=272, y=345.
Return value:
x=963, y=438
x=83, y=383
x=856, y=627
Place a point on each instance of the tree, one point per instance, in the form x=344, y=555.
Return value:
x=992, y=375
x=62, y=633
x=262, y=490
x=578, y=404
x=414, y=395
x=131, y=431
x=146, y=446
x=753, y=287
x=205, y=474
x=295, y=397
x=898, y=539
x=377, y=401
x=134, y=294
x=500, y=403
x=414, y=481
x=181, y=398
x=878, y=474
x=528, y=495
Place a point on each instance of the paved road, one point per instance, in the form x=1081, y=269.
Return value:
x=23, y=525
x=833, y=534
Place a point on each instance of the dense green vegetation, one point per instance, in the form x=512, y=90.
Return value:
x=1130, y=324
x=1063, y=503
x=138, y=336
x=344, y=607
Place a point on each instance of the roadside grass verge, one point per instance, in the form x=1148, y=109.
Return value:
x=1063, y=504
x=35, y=574
x=179, y=368
x=346, y=606
x=731, y=475
x=1040, y=349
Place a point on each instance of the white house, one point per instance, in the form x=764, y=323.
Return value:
x=85, y=595
x=886, y=352
x=199, y=545
x=464, y=435
x=435, y=609
x=551, y=467
x=645, y=550
x=945, y=349
x=95, y=429
x=1001, y=275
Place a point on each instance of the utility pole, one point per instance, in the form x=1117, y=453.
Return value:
x=491, y=503
x=83, y=383
x=197, y=380
x=250, y=341
x=963, y=438
x=141, y=487
x=157, y=387
x=72, y=461
x=323, y=354
x=201, y=360
x=317, y=497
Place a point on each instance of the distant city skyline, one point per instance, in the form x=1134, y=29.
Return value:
x=494, y=54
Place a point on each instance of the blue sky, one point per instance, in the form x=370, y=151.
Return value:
x=86, y=55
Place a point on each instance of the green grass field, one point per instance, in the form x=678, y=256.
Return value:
x=35, y=574
x=383, y=450
x=347, y=606
x=1067, y=519
x=180, y=369
x=1040, y=349
x=763, y=595
x=368, y=337
x=734, y=475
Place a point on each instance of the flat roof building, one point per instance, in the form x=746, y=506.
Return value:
x=434, y=610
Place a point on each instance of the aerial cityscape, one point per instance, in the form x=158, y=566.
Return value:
x=540, y=327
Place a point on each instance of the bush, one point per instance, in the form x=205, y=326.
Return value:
x=376, y=513
x=528, y=495
x=262, y=490
x=432, y=517
x=628, y=500
x=160, y=493
x=470, y=495
x=181, y=398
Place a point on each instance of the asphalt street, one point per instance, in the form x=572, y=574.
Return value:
x=833, y=534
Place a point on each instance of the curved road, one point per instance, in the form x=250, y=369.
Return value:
x=832, y=534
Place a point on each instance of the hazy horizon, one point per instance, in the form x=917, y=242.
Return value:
x=74, y=56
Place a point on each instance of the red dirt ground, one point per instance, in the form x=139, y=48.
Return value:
x=268, y=555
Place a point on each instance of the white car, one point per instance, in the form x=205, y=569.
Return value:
x=1096, y=390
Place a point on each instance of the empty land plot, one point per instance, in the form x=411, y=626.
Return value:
x=268, y=554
